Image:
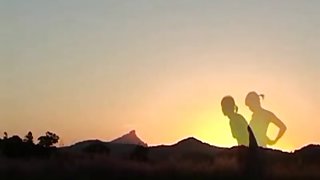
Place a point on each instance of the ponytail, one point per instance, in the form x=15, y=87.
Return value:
x=253, y=98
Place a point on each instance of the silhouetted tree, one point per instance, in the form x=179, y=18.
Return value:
x=13, y=147
x=48, y=140
x=28, y=138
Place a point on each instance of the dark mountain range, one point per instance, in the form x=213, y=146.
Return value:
x=127, y=158
x=186, y=147
x=192, y=148
x=309, y=154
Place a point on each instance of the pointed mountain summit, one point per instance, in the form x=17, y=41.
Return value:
x=193, y=144
x=130, y=138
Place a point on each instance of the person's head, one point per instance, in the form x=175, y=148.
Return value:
x=253, y=101
x=228, y=106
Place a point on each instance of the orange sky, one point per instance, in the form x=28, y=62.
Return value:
x=100, y=69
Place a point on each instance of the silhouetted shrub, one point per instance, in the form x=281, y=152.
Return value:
x=28, y=138
x=15, y=147
x=48, y=140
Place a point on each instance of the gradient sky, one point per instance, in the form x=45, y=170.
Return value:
x=98, y=69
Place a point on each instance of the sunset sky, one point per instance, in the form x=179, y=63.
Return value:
x=98, y=69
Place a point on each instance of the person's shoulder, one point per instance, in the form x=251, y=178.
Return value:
x=268, y=113
x=240, y=117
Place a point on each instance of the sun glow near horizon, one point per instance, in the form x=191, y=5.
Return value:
x=194, y=110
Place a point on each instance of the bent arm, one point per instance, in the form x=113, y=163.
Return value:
x=282, y=127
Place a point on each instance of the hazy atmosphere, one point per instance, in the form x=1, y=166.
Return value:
x=98, y=69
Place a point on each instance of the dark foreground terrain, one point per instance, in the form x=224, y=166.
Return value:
x=188, y=159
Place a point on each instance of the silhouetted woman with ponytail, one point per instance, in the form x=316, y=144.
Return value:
x=239, y=126
x=261, y=118
x=249, y=161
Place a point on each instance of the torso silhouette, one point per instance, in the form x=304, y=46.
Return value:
x=259, y=124
x=238, y=127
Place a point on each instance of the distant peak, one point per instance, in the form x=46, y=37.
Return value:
x=130, y=138
x=192, y=144
x=190, y=139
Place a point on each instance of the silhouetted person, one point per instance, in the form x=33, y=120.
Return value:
x=241, y=131
x=239, y=126
x=261, y=118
